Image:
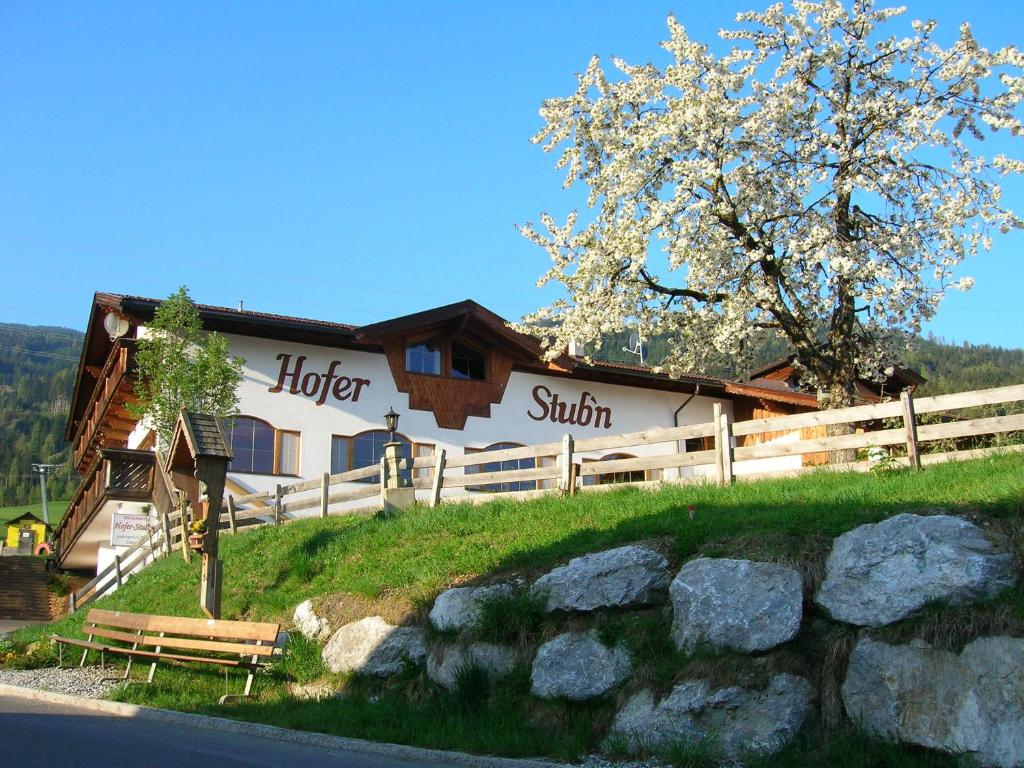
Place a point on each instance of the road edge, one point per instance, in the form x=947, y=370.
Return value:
x=225, y=725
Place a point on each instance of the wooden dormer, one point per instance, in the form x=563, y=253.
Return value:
x=453, y=361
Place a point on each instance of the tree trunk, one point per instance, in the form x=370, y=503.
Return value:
x=840, y=394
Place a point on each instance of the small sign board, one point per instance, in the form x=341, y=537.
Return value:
x=127, y=528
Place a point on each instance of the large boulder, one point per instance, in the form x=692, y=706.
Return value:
x=877, y=574
x=972, y=702
x=577, y=666
x=444, y=666
x=623, y=576
x=736, y=604
x=371, y=646
x=459, y=608
x=309, y=623
x=738, y=720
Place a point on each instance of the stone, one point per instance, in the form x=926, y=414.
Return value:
x=736, y=604
x=371, y=646
x=623, y=576
x=497, y=661
x=459, y=608
x=880, y=573
x=739, y=720
x=577, y=666
x=311, y=625
x=972, y=702
x=311, y=691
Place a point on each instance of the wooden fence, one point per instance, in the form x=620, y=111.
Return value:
x=564, y=467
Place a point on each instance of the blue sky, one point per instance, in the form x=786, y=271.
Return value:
x=343, y=161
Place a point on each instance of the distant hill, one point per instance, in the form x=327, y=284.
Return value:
x=37, y=372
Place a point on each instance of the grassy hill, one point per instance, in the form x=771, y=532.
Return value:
x=395, y=567
x=56, y=511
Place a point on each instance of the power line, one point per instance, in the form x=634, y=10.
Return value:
x=40, y=354
x=11, y=328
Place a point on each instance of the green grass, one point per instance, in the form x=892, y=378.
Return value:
x=407, y=559
x=56, y=511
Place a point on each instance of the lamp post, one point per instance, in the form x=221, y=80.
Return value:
x=396, y=491
x=391, y=422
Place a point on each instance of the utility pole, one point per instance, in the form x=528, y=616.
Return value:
x=43, y=470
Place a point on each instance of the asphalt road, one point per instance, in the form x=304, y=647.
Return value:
x=39, y=734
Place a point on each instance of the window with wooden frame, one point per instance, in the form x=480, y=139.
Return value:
x=258, y=447
x=424, y=357
x=610, y=478
x=445, y=356
x=500, y=466
x=367, y=448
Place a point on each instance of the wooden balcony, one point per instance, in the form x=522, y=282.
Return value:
x=106, y=422
x=115, y=475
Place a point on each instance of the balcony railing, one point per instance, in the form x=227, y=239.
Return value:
x=115, y=475
x=105, y=422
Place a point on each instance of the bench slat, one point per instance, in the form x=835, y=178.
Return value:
x=177, y=625
x=181, y=642
x=154, y=654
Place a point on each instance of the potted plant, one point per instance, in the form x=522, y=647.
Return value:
x=197, y=534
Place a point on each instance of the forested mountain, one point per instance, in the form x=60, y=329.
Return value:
x=38, y=365
x=37, y=373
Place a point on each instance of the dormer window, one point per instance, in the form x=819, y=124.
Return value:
x=468, y=363
x=424, y=357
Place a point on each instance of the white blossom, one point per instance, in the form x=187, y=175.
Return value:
x=820, y=178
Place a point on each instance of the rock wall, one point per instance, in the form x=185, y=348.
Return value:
x=876, y=575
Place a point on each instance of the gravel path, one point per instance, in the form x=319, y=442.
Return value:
x=74, y=681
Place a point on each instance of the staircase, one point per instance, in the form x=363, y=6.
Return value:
x=23, y=592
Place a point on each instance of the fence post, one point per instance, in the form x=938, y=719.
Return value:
x=716, y=410
x=165, y=521
x=72, y=601
x=910, y=425
x=574, y=477
x=278, y=504
x=232, y=523
x=726, y=428
x=185, y=551
x=325, y=493
x=117, y=570
x=438, y=484
x=567, y=478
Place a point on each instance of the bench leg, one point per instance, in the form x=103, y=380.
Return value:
x=127, y=670
x=85, y=652
x=248, y=681
x=60, y=655
x=152, y=667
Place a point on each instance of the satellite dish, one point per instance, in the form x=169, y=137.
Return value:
x=636, y=346
x=115, y=326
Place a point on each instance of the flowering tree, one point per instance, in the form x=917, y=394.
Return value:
x=820, y=179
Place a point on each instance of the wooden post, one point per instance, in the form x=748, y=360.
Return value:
x=566, y=465
x=185, y=552
x=72, y=601
x=278, y=504
x=165, y=521
x=325, y=493
x=726, y=428
x=910, y=425
x=719, y=457
x=117, y=570
x=438, y=484
x=232, y=524
x=574, y=477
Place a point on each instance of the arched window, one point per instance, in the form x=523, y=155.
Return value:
x=252, y=445
x=608, y=478
x=502, y=466
x=364, y=450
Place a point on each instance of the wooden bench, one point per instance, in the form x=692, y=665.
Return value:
x=245, y=644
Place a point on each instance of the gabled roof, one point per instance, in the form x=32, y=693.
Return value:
x=901, y=377
x=455, y=318
x=26, y=516
x=196, y=435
